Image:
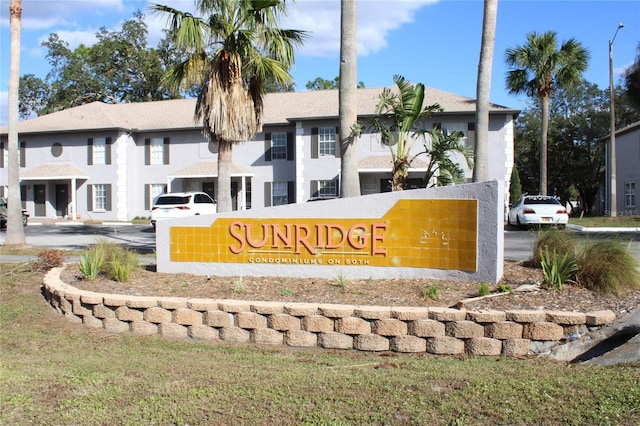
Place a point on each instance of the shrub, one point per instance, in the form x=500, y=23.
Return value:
x=555, y=241
x=49, y=258
x=557, y=269
x=431, y=292
x=484, y=289
x=503, y=288
x=606, y=266
x=91, y=263
x=122, y=262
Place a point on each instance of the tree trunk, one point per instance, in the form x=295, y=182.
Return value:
x=483, y=91
x=15, y=232
x=544, y=99
x=350, y=181
x=225, y=159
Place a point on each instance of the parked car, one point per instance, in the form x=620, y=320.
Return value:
x=182, y=204
x=537, y=210
x=3, y=214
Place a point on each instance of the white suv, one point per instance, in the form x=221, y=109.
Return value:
x=182, y=204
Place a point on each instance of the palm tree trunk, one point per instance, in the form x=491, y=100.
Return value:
x=15, y=232
x=483, y=90
x=225, y=159
x=544, y=99
x=349, y=182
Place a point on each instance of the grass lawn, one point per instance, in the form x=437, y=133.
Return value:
x=58, y=372
x=600, y=221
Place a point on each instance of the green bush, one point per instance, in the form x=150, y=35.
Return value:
x=91, y=262
x=606, y=266
x=121, y=261
x=484, y=290
x=557, y=270
x=559, y=242
x=431, y=292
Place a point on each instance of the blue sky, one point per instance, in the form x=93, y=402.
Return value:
x=435, y=42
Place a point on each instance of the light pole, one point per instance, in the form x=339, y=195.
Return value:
x=613, y=205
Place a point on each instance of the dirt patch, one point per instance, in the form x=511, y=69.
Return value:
x=391, y=292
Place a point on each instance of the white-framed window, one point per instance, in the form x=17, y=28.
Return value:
x=327, y=188
x=99, y=197
x=157, y=150
x=99, y=151
x=629, y=194
x=327, y=141
x=155, y=190
x=279, y=193
x=279, y=146
x=369, y=186
x=458, y=127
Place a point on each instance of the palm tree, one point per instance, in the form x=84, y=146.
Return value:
x=235, y=51
x=483, y=90
x=442, y=148
x=350, y=181
x=538, y=67
x=400, y=118
x=15, y=232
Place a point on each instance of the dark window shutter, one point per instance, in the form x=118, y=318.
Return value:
x=147, y=151
x=107, y=151
x=291, y=192
x=471, y=139
x=267, y=194
x=23, y=154
x=315, y=187
x=147, y=195
x=1, y=154
x=267, y=147
x=90, y=151
x=291, y=155
x=314, y=142
x=107, y=202
x=338, y=147
x=90, y=198
x=165, y=151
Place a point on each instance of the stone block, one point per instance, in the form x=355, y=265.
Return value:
x=516, y=347
x=65, y=305
x=408, y=344
x=267, y=308
x=283, y=322
x=353, y=325
x=90, y=298
x=172, y=302
x=218, y=319
x=250, y=320
x=300, y=338
x=409, y=313
x=464, y=329
x=144, y=328
x=234, y=306
x=124, y=313
x=336, y=311
x=187, y=317
x=171, y=330
x=114, y=300
x=447, y=314
x=202, y=305
x=141, y=302
x=526, y=316
x=445, y=345
x=101, y=311
x=267, y=336
x=486, y=317
x=370, y=342
x=372, y=312
x=82, y=310
x=566, y=318
x=503, y=330
x=426, y=328
x=543, y=331
x=203, y=332
x=335, y=341
x=157, y=315
x=389, y=327
x=317, y=324
x=600, y=318
x=483, y=346
x=235, y=335
x=69, y=316
x=92, y=322
x=301, y=309
x=115, y=325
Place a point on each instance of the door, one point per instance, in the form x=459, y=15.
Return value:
x=62, y=199
x=39, y=199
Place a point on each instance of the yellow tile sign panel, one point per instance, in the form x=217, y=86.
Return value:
x=414, y=233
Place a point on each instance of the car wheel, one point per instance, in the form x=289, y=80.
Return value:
x=520, y=225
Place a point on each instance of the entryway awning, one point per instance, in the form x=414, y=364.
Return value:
x=53, y=171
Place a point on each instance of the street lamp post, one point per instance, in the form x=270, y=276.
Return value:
x=613, y=205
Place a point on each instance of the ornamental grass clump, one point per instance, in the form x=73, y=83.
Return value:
x=556, y=269
x=607, y=266
x=558, y=242
x=109, y=259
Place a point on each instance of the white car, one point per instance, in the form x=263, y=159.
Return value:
x=182, y=204
x=537, y=210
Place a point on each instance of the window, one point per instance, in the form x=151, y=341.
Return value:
x=630, y=194
x=99, y=151
x=99, y=197
x=324, y=188
x=56, y=149
x=153, y=191
x=327, y=141
x=279, y=192
x=278, y=146
x=467, y=130
x=156, y=151
x=369, y=186
x=4, y=154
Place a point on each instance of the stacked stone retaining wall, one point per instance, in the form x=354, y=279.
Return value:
x=434, y=330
